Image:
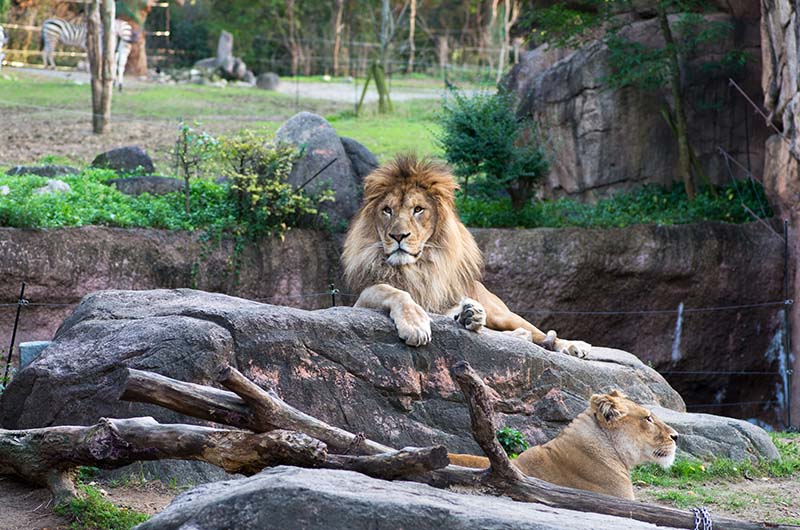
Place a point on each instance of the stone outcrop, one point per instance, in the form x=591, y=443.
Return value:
x=302, y=499
x=587, y=284
x=361, y=158
x=129, y=159
x=343, y=365
x=42, y=171
x=224, y=64
x=602, y=140
x=321, y=145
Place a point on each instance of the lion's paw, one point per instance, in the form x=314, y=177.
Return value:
x=413, y=325
x=575, y=348
x=471, y=314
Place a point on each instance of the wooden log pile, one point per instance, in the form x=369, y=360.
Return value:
x=266, y=431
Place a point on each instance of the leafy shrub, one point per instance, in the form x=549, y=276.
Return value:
x=193, y=150
x=513, y=441
x=649, y=205
x=482, y=138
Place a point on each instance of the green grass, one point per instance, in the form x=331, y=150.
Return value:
x=93, y=512
x=649, y=205
x=688, y=473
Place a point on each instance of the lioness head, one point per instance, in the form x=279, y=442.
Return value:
x=637, y=435
x=407, y=234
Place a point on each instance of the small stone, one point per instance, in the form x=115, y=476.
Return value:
x=53, y=186
x=5, y=190
x=268, y=81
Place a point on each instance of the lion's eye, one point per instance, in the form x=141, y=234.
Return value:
x=387, y=211
x=649, y=419
x=418, y=209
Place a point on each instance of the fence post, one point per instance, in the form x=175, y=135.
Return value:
x=333, y=292
x=20, y=302
x=787, y=322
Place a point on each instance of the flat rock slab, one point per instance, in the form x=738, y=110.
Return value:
x=287, y=497
x=343, y=365
x=42, y=171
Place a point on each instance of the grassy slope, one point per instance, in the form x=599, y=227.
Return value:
x=409, y=128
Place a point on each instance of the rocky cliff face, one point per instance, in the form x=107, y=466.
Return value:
x=616, y=288
x=780, y=35
x=602, y=140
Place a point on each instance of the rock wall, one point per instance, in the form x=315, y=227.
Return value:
x=602, y=140
x=780, y=36
x=608, y=287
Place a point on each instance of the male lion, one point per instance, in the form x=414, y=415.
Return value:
x=407, y=252
x=597, y=451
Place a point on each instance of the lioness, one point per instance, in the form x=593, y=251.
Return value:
x=406, y=252
x=597, y=451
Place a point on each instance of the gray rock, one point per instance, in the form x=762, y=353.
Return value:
x=343, y=365
x=224, y=49
x=361, y=158
x=130, y=159
x=321, y=143
x=305, y=499
x=209, y=63
x=53, y=186
x=5, y=190
x=707, y=436
x=268, y=81
x=152, y=184
x=249, y=77
x=42, y=171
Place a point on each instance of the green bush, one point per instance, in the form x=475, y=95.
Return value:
x=483, y=140
x=649, y=205
x=513, y=441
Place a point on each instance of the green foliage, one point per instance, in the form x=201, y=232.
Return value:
x=265, y=203
x=513, y=441
x=93, y=512
x=193, y=150
x=560, y=24
x=484, y=140
x=649, y=205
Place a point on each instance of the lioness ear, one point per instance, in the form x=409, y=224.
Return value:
x=606, y=407
x=617, y=393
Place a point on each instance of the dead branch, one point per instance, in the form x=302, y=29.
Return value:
x=404, y=463
x=48, y=456
x=271, y=409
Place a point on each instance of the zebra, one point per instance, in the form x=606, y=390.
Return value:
x=56, y=30
x=3, y=40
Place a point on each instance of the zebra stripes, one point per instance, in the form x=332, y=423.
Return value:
x=57, y=31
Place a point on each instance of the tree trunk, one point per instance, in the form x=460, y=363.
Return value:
x=412, y=18
x=681, y=126
x=337, y=32
x=100, y=37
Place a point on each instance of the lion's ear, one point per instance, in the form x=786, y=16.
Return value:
x=617, y=393
x=607, y=406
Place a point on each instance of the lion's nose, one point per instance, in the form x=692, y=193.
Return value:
x=674, y=437
x=399, y=237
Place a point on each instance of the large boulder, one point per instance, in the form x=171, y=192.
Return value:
x=307, y=499
x=361, y=158
x=268, y=81
x=602, y=140
x=321, y=145
x=129, y=159
x=151, y=184
x=43, y=171
x=343, y=365
x=224, y=49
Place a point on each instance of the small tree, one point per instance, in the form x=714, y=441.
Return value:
x=193, y=149
x=483, y=139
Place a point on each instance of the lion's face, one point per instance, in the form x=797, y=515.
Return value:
x=405, y=222
x=634, y=430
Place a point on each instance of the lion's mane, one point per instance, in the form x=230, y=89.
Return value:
x=451, y=262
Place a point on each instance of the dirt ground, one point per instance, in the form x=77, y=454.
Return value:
x=23, y=507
